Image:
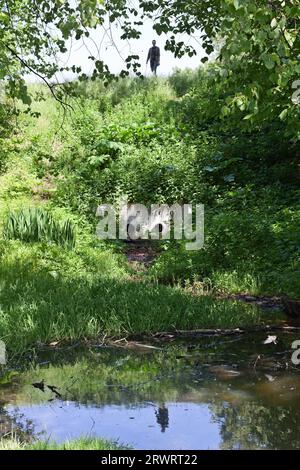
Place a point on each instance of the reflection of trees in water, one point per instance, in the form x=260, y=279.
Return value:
x=15, y=425
x=162, y=417
x=120, y=377
x=6, y=423
x=253, y=426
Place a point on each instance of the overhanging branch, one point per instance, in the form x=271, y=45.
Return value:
x=31, y=69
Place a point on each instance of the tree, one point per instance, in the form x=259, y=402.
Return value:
x=258, y=45
x=258, y=52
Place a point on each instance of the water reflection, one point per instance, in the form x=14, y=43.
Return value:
x=191, y=427
x=205, y=395
x=162, y=417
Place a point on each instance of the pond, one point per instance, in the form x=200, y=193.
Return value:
x=209, y=393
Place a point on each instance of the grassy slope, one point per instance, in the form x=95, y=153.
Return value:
x=248, y=183
x=49, y=293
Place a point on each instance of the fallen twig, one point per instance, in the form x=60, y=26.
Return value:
x=132, y=345
x=224, y=332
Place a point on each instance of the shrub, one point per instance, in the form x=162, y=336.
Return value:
x=183, y=81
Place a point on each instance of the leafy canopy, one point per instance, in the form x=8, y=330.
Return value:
x=256, y=43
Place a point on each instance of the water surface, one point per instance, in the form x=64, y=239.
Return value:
x=214, y=393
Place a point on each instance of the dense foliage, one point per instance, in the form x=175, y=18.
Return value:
x=153, y=145
x=225, y=135
x=256, y=43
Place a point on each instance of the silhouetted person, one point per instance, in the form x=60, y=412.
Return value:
x=154, y=57
x=162, y=417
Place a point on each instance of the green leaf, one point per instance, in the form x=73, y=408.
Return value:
x=236, y=4
x=283, y=114
x=268, y=61
x=4, y=19
x=274, y=23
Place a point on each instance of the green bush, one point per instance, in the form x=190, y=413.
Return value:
x=150, y=147
x=183, y=81
x=6, y=131
x=163, y=141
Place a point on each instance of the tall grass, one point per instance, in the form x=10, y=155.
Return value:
x=41, y=306
x=86, y=443
x=35, y=224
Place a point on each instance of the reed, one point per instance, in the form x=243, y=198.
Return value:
x=36, y=224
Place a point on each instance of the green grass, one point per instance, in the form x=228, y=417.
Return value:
x=146, y=141
x=78, y=444
x=49, y=294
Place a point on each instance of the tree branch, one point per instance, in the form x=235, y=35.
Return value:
x=50, y=87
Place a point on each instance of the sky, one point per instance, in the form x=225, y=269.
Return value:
x=113, y=51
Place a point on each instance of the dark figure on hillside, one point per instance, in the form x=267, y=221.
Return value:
x=154, y=57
